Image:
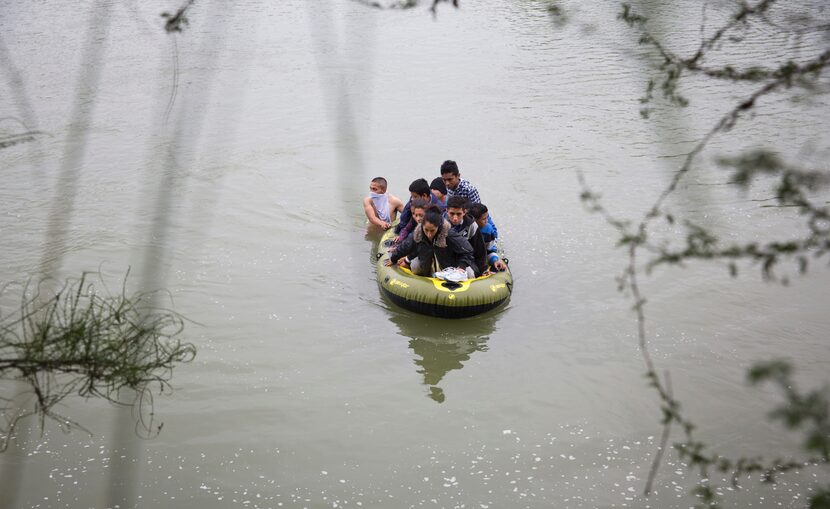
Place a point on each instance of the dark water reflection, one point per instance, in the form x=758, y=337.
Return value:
x=443, y=345
x=303, y=390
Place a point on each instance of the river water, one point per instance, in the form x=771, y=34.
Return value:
x=227, y=164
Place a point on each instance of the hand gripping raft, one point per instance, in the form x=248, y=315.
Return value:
x=436, y=297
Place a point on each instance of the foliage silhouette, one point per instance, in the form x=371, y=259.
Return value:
x=84, y=343
x=807, y=412
x=404, y=4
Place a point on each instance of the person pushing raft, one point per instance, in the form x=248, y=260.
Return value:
x=381, y=208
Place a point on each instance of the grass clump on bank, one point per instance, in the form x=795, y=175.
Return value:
x=75, y=341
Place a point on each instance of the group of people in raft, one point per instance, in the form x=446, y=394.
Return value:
x=444, y=227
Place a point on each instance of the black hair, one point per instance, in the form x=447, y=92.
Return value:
x=419, y=187
x=380, y=181
x=449, y=167
x=433, y=216
x=438, y=184
x=457, y=202
x=432, y=206
x=477, y=210
x=419, y=203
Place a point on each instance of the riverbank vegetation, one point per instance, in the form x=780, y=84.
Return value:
x=80, y=340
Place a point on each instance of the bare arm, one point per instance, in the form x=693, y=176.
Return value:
x=372, y=214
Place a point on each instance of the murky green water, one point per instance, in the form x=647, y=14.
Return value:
x=309, y=390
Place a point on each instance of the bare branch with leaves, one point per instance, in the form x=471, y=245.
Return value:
x=83, y=343
x=808, y=411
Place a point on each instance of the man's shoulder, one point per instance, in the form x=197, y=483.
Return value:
x=469, y=191
x=466, y=189
x=466, y=184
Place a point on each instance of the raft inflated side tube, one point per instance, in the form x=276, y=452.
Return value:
x=436, y=297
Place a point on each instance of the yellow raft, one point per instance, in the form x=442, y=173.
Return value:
x=436, y=297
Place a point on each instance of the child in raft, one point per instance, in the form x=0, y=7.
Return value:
x=381, y=207
x=417, y=208
x=479, y=212
x=418, y=189
x=439, y=193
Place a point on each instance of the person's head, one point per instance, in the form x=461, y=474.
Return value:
x=418, y=209
x=378, y=185
x=438, y=188
x=450, y=175
x=432, y=222
x=419, y=189
x=479, y=213
x=456, y=208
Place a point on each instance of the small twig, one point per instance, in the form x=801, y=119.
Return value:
x=661, y=449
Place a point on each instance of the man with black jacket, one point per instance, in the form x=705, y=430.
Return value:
x=464, y=224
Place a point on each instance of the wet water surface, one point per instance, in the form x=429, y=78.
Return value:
x=227, y=164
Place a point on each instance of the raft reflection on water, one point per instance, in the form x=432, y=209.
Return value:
x=443, y=345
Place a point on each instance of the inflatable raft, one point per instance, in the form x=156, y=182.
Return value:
x=436, y=297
